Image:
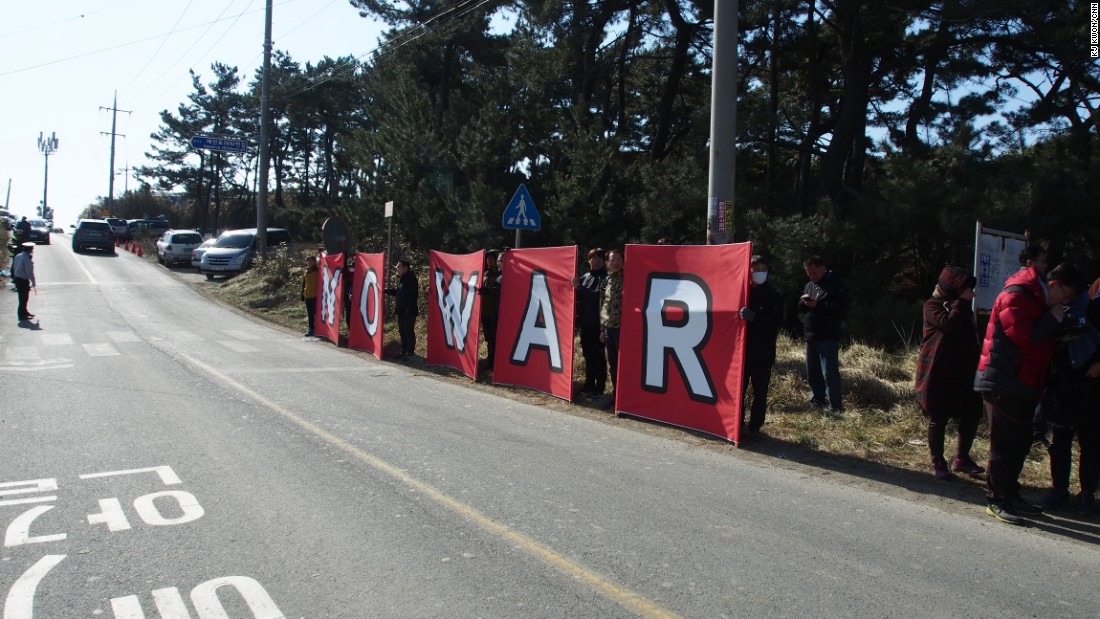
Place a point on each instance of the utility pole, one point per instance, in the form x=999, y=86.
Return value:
x=46, y=146
x=8, y=197
x=114, y=117
x=265, y=120
x=126, y=178
x=723, y=123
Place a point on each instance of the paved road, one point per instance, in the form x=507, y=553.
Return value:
x=166, y=457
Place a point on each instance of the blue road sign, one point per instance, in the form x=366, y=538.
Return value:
x=232, y=145
x=521, y=213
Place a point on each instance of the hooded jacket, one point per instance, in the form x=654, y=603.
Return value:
x=949, y=350
x=1019, y=340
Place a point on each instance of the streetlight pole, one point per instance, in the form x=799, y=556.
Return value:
x=265, y=120
x=46, y=146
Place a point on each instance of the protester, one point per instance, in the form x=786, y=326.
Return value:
x=1018, y=347
x=763, y=315
x=611, y=311
x=22, y=275
x=1035, y=256
x=1070, y=404
x=825, y=302
x=309, y=292
x=406, y=307
x=490, y=305
x=948, y=359
x=589, y=288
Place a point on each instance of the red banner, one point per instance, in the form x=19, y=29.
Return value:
x=368, y=303
x=681, y=355
x=454, y=310
x=330, y=297
x=535, y=328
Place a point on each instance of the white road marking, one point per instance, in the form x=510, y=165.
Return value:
x=101, y=350
x=166, y=474
x=56, y=339
x=20, y=601
x=19, y=531
x=35, y=366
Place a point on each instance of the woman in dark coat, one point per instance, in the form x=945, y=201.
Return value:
x=949, y=354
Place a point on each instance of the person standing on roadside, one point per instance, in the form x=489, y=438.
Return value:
x=589, y=290
x=406, y=307
x=23, y=229
x=1018, y=347
x=763, y=316
x=948, y=359
x=611, y=313
x=309, y=293
x=825, y=302
x=1072, y=405
x=490, y=305
x=22, y=275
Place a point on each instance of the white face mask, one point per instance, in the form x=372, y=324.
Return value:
x=759, y=277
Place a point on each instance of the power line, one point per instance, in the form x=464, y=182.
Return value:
x=161, y=46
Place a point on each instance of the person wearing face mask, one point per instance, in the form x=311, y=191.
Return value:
x=762, y=315
x=611, y=314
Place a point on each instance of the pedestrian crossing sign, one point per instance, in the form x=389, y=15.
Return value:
x=521, y=213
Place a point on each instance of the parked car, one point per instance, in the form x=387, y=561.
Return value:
x=93, y=233
x=176, y=246
x=234, y=250
x=119, y=227
x=40, y=231
x=197, y=253
x=150, y=227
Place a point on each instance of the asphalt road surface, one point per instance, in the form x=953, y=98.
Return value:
x=164, y=456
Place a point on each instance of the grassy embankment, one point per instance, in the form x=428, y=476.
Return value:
x=881, y=424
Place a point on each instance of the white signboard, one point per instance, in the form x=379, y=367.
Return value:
x=996, y=258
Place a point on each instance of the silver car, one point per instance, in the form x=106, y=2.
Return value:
x=196, y=254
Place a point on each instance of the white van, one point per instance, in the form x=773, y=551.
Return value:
x=234, y=250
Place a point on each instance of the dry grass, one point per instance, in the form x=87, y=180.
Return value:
x=881, y=422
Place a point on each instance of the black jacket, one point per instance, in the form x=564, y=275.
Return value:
x=822, y=323
x=763, y=329
x=588, y=298
x=408, y=295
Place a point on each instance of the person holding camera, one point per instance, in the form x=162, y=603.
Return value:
x=825, y=302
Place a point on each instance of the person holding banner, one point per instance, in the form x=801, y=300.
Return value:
x=611, y=313
x=589, y=288
x=406, y=307
x=490, y=305
x=825, y=302
x=309, y=292
x=1018, y=348
x=763, y=315
x=948, y=359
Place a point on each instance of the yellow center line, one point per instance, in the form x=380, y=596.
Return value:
x=629, y=600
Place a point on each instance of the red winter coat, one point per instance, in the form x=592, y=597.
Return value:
x=1019, y=341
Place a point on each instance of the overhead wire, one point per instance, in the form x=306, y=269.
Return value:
x=162, y=42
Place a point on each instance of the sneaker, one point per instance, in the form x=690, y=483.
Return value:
x=1003, y=514
x=1022, y=507
x=1040, y=438
x=1086, y=505
x=964, y=464
x=819, y=404
x=1055, y=498
x=940, y=470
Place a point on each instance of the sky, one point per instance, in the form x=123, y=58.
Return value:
x=62, y=61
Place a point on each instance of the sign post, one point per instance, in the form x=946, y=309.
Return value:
x=521, y=214
x=996, y=258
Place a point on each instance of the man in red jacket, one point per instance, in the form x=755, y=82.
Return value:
x=1018, y=347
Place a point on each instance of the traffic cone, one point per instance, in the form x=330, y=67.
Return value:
x=140, y=253
x=133, y=248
